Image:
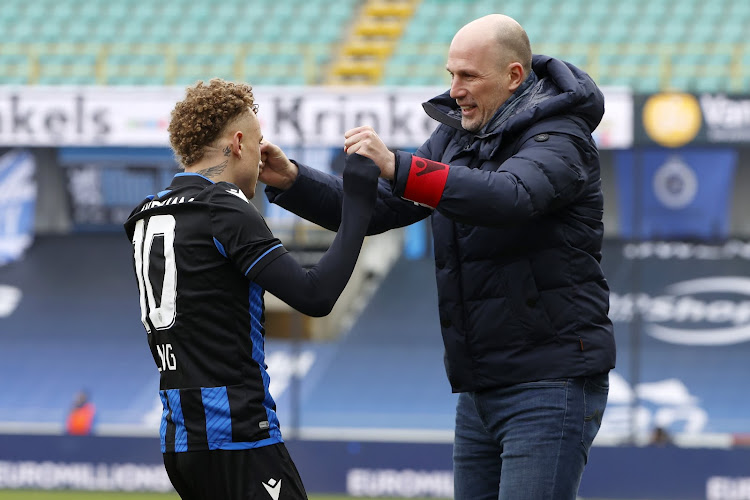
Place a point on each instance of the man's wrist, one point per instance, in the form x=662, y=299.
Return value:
x=292, y=172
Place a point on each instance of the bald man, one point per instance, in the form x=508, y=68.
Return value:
x=510, y=179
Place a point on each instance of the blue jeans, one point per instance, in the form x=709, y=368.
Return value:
x=529, y=441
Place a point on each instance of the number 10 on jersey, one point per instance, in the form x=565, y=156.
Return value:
x=160, y=229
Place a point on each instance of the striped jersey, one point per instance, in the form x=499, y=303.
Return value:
x=197, y=246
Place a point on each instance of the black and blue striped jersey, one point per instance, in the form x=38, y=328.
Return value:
x=197, y=246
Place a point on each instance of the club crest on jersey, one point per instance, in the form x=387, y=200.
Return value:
x=239, y=194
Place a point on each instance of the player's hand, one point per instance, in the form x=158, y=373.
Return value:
x=364, y=141
x=275, y=169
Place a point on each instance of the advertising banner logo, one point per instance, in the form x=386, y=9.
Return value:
x=683, y=193
x=290, y=116
x=674, y=119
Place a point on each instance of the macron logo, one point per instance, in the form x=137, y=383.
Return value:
x=273, y=488
x=239, y=194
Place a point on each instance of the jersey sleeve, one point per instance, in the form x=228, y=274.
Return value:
x=239, y=231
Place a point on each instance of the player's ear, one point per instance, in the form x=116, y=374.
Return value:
x=237, y=143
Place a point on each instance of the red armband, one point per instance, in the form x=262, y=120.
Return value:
x=426, y=181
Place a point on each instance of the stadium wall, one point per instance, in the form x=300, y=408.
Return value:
x=372, y=469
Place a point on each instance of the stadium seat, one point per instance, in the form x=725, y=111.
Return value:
x=135, y=69
x=578, y=30
x=14, y=68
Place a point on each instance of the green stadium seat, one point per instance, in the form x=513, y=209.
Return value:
x=76, y=32
x=117, y=11
x=14, y=69
x=646, y=85
x=136, y=69
x=732, y=31
x=49, y=32
x=744, y=84
x=622, y=11
x=580, y=60
x=739, y=10
x=14, y=79
x=680, y=82
x=642, y=43
x=33, y=11
x=395, y=80
x=429, y=10
x=72, y=68
x=417, y=33
x=588, y=32
x=170, y=12
x=714, y=83
x=11, y=12
x=299, y=33
x=193, y=67
x=61, y=12
x=646, y=32
x=105, y=32
x=701, y=33
x=616, y=32
x=673, y=32
x=656, y=12
x=90, y=13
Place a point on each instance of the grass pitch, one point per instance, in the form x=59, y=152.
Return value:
x=100, y=495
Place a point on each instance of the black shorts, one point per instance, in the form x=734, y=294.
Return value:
x=265, y=473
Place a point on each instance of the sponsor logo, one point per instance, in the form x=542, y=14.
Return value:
x=728, y=488
x=672, y=119
x=306, y=116
x=684, y=316
x=31, y=118
x=48, y=475
x=399, y=483
x=273, y=488
x=727, y=118
x=318, y=116
x=148, y=124
x=675, y=184
x=680, y=250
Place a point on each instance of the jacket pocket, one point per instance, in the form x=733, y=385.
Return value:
x=525, y=302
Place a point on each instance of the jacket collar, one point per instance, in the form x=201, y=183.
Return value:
x=515, y=102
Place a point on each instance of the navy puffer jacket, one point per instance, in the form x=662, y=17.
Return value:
x=517, y=232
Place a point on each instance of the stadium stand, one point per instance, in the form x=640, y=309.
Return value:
x=385, y=372
x=76, y=327
x=646, y=45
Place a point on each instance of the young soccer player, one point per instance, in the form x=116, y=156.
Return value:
x=203, y=256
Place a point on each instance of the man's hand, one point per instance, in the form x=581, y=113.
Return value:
x=275, y=169
x=364, y=141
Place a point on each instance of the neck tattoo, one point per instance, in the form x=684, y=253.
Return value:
x=215, y=170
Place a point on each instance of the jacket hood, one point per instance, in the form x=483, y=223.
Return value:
x=561, y=88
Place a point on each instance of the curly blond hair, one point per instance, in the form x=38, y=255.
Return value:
x=199, y=119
